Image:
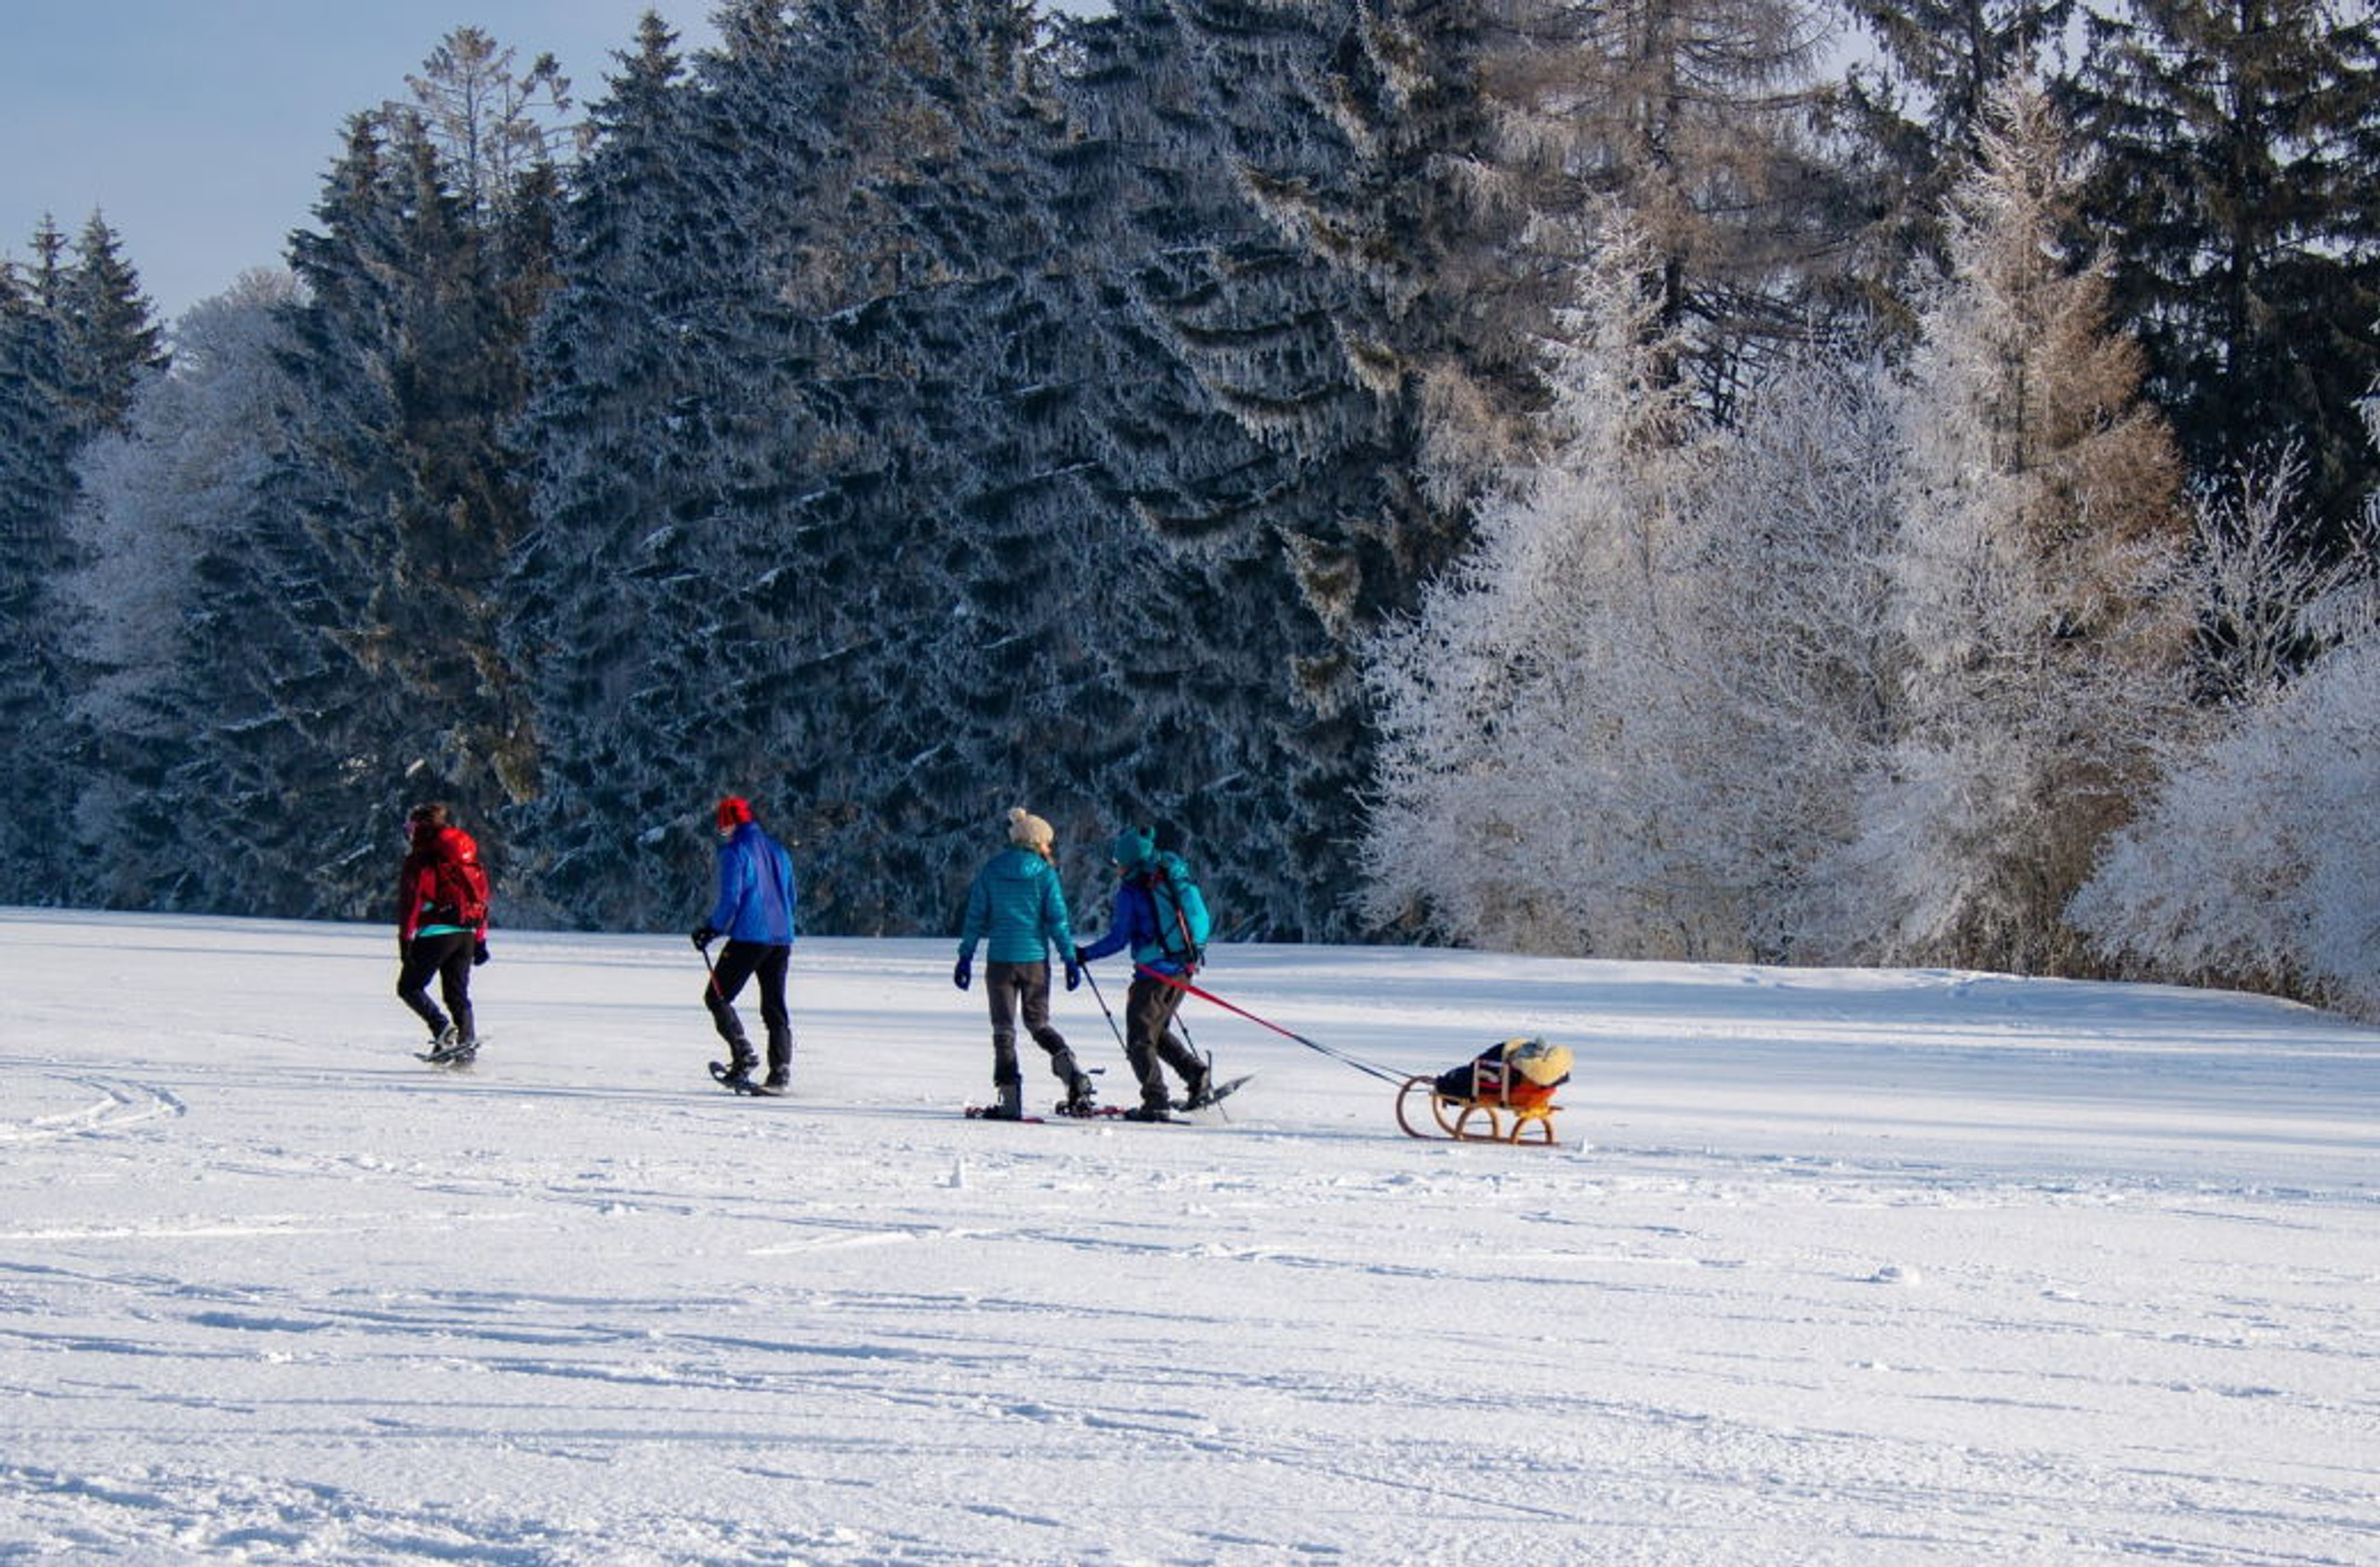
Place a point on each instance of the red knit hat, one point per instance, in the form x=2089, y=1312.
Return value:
x=733, y=812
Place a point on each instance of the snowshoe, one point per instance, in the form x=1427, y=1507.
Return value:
x=1208, y=1092
x=736, y=1077
x=450, y=1050
x=1080, y=1101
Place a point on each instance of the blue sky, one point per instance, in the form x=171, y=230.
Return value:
x=202, y=129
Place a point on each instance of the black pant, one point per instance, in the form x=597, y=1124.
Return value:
x=739, y=961
x=1011, y=987
x=449, y=957
x=1149, y=1006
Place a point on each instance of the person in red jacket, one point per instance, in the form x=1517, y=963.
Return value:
x=442, y=928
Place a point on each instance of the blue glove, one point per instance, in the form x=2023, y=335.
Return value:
x=1074, y=974
x=964, y=972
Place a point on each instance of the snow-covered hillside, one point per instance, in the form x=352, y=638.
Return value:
x=1833, y=1266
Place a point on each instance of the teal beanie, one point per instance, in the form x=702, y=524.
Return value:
x=1132, y=847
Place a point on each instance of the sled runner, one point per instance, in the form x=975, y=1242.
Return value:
x=1504, y=1093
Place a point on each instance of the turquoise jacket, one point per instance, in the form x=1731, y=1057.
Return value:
x=1017, y=902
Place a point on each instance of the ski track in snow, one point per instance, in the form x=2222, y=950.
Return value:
x=1834, y=1267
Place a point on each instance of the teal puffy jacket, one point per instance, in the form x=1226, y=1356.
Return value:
x=1017, y=902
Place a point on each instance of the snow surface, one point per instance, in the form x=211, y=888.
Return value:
x=1848, y=1266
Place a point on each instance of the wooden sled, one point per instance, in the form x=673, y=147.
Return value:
x=1487, y=1118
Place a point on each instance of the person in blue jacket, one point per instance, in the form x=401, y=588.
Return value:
x=1016, y=901
x=1161, y=915
x=757, y=897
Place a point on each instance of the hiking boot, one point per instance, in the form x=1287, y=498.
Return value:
x=1081, y=1097
x=1198, y=1092
x=448, y=1038
x=1148, y=1112
x=776, y=1083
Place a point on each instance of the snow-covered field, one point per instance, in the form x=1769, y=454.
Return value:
x=1859, y=1267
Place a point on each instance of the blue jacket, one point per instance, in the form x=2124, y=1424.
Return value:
x=757, y=895
x=1016, y=901
x=1133, y=922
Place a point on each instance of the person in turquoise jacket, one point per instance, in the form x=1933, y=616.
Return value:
x=1015, y=902
x=754, y=911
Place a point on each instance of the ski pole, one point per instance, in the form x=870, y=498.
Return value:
x=704, y=949
x=1103, y=1009
x=1188, y=989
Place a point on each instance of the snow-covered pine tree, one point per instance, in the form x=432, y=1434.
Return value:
x=2039, y=538
x=367, y=670
x=112, y=341
x=630, y=397
x=1330, y=228
x=809, y=524
x=2240, y=147
x=39, y=435
x=74, y=345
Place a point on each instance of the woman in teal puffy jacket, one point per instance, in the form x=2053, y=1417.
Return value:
x=1016, y=903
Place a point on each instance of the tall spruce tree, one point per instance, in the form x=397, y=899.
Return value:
x=377, y=529
x=39, y=435
x=2240, y=158
x=1916, y=108
x=76, y=340
x=1327, y=225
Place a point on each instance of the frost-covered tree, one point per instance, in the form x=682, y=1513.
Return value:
x=1528, y=711
x=2253, y=863
x=1793, y=688
x=2254, y=860
x=1625, y=724
x=379, y=505
x=2038, y=537
x=171, y=518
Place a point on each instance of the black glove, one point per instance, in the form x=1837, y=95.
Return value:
x=1074, y=974
x=965, y=972
x=705, y=936
x=404, y=949
x=478, y=952
x=1079, y=961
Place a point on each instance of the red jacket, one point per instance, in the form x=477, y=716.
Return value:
x=442, y=883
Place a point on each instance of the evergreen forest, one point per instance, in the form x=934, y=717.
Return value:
x=1777, y=480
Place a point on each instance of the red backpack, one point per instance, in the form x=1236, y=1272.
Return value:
x=458, y=881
